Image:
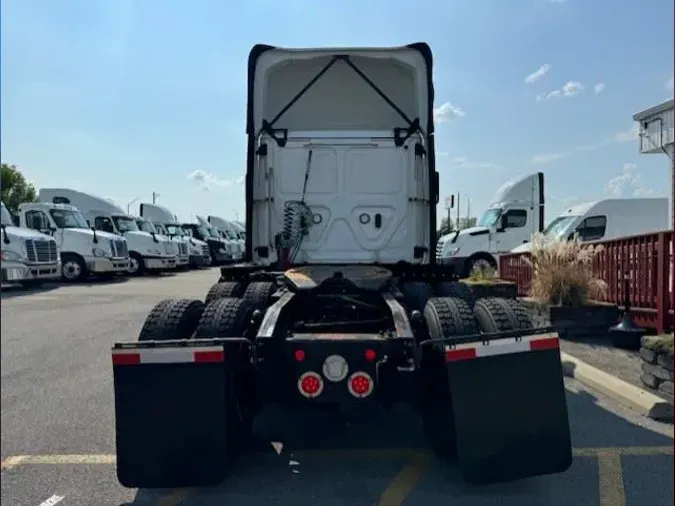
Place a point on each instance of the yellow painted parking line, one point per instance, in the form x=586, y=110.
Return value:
x=610, y=480
x=404, y=482
x=368, y=454
x=633, y=451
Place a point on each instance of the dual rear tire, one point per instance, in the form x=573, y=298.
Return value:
x=445, y=318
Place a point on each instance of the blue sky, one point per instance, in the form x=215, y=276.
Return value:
x=122, y=98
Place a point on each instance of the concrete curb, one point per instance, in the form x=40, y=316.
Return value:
x=642, y=401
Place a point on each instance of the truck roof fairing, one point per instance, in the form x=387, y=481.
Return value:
x=340, y=88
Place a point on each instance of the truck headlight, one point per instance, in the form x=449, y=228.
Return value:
x=11, y=256
x=221, y=250
x=154, y=252
x=454, y=252
x=98, y=252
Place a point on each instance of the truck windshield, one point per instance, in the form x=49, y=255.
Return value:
x=125, y=224
x=174, y=230
x=68, y=219
x=146, y=226
x=6, y=217
x=489, y=218
x=559, y=226
x=203, y=232
x=160, y=228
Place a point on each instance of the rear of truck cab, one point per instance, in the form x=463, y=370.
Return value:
x=340, y=176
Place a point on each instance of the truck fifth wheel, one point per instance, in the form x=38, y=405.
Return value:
x=340, y=298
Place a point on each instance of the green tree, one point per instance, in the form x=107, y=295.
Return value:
x=15, y=189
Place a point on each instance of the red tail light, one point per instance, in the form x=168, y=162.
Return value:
x=310, y=385
x=370, y=355
x=299, y=355
x=360, y=384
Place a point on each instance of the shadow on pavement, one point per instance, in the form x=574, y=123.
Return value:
x=299, y=469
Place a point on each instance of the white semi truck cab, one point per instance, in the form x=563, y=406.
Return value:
x=83, y=251
x=183, y=257
x=165, y=222
x=147, y=252
x=28, y=257
x=220, y=252
x=229, y=233
x=516, y=213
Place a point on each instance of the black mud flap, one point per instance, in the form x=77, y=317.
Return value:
x=510, y=407
x=171, y=411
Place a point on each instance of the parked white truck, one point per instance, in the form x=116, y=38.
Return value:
x=28, y=257
x=517, y=212
x=230, y=233
x=183, y=256
x=165, y=221
x=608, y=219
x=146, y=252
x=83, y=251
x=220, y=252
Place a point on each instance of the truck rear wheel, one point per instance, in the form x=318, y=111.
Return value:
x=496, y=314
x=172, y=319
x=223, y=290
x=416, y=294
x=444, y=317
x=230, y=317
x=459, y=290
x=259, y=293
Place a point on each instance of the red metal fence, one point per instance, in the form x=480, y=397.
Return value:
x=647, y=261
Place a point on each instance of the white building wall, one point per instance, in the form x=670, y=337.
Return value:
x=659, y=132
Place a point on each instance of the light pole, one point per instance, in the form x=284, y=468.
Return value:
x=131, y=203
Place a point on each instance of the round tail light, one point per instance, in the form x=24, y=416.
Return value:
x=310, y=385
x=360, y=384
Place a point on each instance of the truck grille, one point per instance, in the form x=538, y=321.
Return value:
x=41, y=251
x=182, y=248
x=119, y=249
x=206, y=251
x=439, y=248
x=168, y=248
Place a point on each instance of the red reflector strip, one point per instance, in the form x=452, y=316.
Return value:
x=505, y=346
x=206, y=357
x=126, y=358
x=201, y=355
x=459, y=354
x=550, y=343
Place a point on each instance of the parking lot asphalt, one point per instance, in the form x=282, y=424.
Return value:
x=58, y=429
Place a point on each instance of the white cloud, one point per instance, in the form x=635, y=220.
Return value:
x=598, y=88
x=569, y=89
x=538, y=74
x=447, y=112
x=669, y=84
x=629, y=181
x=548, y=157
x=208, y=180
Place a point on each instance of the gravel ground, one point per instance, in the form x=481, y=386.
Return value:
x=599, y=352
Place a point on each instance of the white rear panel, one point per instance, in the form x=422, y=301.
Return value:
x=369, y=200
x=351, y=180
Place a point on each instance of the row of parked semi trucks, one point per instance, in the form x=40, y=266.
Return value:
x=73, y=235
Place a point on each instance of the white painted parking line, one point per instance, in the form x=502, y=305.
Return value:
x=55, y=499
